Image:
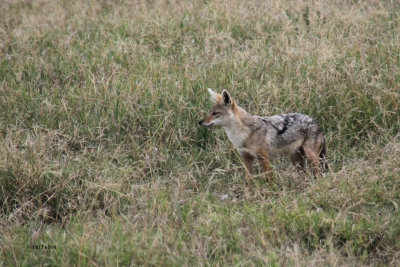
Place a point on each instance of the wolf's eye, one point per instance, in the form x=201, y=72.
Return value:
x=215, y=113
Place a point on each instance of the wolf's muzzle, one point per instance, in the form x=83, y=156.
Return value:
x=205, y=125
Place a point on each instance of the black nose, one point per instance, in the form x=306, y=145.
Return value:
x=200, y=122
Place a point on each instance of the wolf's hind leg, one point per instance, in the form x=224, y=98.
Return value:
x=297, y=158
x=313, y=160
x=323, y=164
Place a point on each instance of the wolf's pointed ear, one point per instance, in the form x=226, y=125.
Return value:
x=213, y=95
x=226, y=98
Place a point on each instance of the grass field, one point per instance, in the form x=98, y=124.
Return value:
x=102, y=161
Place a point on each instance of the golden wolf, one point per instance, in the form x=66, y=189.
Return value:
x=294, y=134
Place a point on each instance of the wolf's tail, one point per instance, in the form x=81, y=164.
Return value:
x=323, y=164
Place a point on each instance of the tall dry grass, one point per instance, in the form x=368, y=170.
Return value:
x=101, y=156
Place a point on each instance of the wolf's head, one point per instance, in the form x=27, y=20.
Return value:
x=223, y=110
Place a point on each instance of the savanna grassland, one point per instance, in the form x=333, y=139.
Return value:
x=102, y=161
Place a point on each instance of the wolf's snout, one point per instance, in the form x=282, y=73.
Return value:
x=201, y=122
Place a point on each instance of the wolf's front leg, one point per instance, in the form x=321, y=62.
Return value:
x=266, y=165
x=248, y=163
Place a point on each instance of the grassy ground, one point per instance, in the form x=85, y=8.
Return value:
x=102, y=162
